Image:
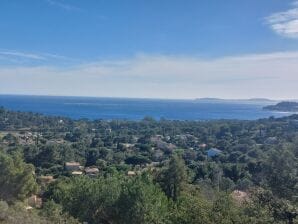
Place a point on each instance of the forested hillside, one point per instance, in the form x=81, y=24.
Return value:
x=225, y=171
x=283, y=107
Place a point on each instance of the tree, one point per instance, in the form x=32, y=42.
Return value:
x=48, y=156
x=114, y=199
x=3, y=210
x=191, y=208
x=142, y=202
x=53, y=212
x=281, y=173
x=137, y=160
x=17, y=180
x=174, y=178
x=224, y=211
x=91, y=200
x=266, y=206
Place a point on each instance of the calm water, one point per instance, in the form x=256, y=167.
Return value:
x=135, y=109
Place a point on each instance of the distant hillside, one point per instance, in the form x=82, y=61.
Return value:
x=283, y=107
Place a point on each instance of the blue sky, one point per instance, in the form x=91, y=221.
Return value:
x=141, y=48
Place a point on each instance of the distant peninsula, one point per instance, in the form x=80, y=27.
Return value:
x=283, y=107
x=252, y=100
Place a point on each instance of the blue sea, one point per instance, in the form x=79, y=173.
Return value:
x=136, y=109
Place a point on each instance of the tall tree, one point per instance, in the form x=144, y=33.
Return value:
x=17, y=180
x=174, y=177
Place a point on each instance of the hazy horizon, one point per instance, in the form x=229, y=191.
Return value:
x=146, y=98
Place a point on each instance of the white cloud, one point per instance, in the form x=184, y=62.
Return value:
x=285, y=23
x=262, y=75
x=22, y=55
x=13, y=57
x=61, y=4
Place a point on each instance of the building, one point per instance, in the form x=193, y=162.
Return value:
x=213, y=152
x=46, y=179
x=131, y=173
x=72, y=166
x=239, y=197
x=91, y=171
x=76, y=173
x=271, y=141
x=203, y=145
x=34, y=201
x=127, y=145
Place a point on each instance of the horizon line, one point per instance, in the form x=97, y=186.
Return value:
x=150, y=98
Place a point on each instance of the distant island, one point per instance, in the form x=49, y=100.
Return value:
x=283, y=107
x=252, y=100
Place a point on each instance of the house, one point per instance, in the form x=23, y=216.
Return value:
x=76, y=172
x=46, y=179
x=213, y=152
x=203, y=145
x=28, y=208
x=28, y=134
x=158, y=155
x=153, y=164
x=164, y=146
x=239, y=196
x=271, y=141
x=131, y=173
x=127, y=145
x=34, y=201
x=156, y=138
x=72, y=166
x=91, y=171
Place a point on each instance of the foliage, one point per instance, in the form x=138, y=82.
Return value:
x=175, y=181
x=191, y=208
x=174, y=177
x=141, y=201
x=17, y=180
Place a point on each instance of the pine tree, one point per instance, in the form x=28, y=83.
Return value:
x=174, y=177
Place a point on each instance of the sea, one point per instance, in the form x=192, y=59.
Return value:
x=136, y=109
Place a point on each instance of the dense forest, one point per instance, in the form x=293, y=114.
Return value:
x=59, y=170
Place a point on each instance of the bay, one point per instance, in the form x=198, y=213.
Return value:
x=136, y=109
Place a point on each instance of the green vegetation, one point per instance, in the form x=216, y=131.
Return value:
x=147, y=171
x=16, y=178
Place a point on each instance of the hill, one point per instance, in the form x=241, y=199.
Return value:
x=283, y=107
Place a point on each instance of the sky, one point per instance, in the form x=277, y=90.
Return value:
x=179, y=49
